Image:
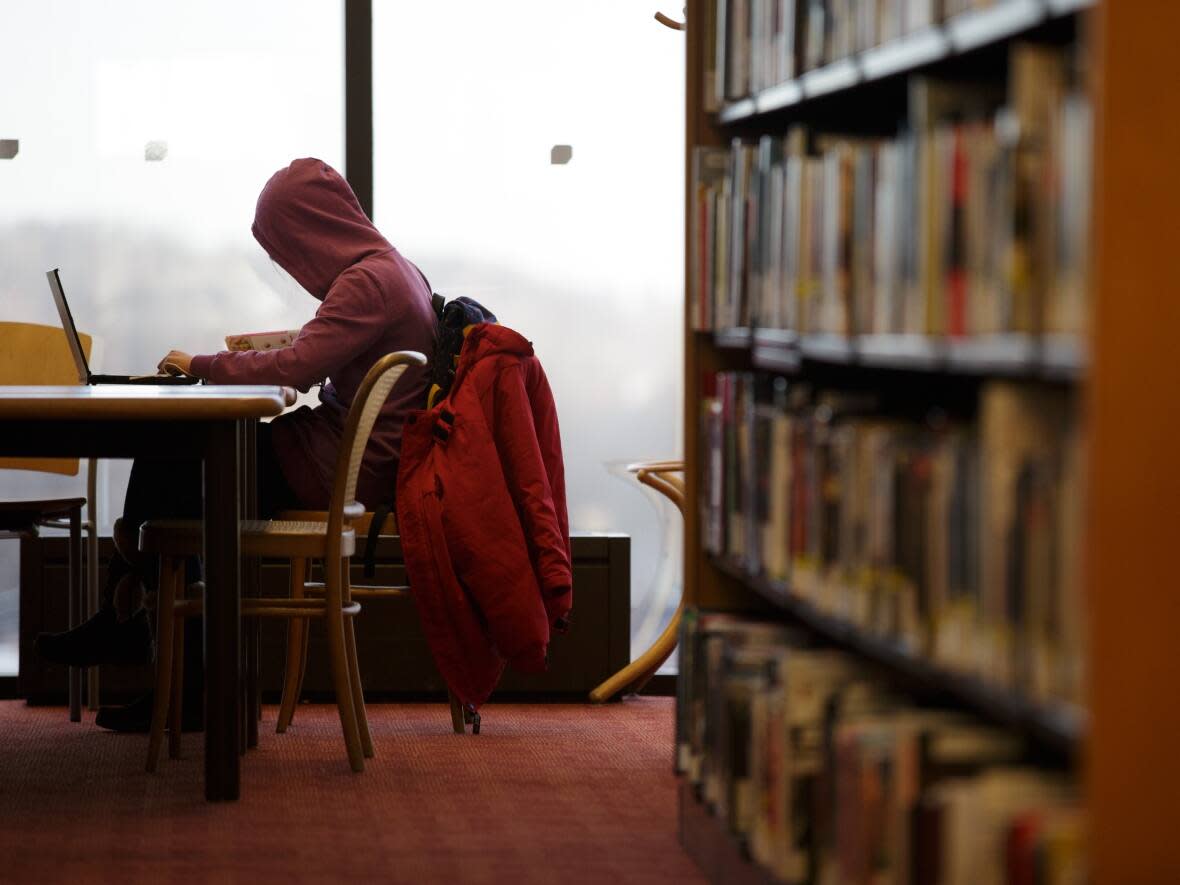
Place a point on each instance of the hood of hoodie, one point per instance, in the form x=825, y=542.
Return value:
x=310, y=222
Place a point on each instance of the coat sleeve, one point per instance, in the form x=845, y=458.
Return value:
x=532, y=493
x=349, y=321
x=549, y=440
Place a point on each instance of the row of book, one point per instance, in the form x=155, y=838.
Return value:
x=758, y=44
x=826, y=776
x=956, y=539
x=973, y=221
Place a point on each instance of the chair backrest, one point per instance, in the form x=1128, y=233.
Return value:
x=370, y=397
x=34, y=354
x=666, y=477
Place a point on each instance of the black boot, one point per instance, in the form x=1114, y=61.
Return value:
x=136, y=717
x=101, y=640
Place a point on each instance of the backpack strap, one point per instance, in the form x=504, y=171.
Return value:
x=380, y=514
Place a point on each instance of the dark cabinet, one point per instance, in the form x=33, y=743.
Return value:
x=395, y=660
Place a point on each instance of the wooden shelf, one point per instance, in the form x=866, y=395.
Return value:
x=963, y=33
x=836, y=77
x=994, y=355
x=1066, y=7
x=733, y=339
x=712, y=847
x=1055, y=729
x=738, y=110
x=980, y=27
x=905, y=54
x=784, y=95
x=828, y=349
x=1060, y=359
x=1063, y=357
x=776, y=350
x=911, y=352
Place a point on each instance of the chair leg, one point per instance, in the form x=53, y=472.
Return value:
x=358, y=692
x=251, y=707
x=354, y=667
x=176, y=706
x=338, y=655
x=77, y=606
x=171, y=573
x=296, y=640
x=637, y=674
x=456, y=713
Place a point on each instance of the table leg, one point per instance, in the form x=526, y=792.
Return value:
x=251, y=707
x=77, y=607
x=223, y=622
x=92, y=601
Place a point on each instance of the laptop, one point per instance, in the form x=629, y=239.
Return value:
x=84, y=374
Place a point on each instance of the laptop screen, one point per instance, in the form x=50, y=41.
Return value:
x=67, y=323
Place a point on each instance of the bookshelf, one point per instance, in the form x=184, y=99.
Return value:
x=1056, y=730
x=1118, y=745
x=962, y=34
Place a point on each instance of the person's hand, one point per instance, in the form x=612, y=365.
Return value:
x=176, y=363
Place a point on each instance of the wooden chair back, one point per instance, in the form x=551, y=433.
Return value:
x=666, y=477
x=370, y=397
x=34, y=354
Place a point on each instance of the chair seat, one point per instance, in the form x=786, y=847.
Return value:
x=269, y=608
x=362, y=591
x=361, y=524
x=260, y=537
x=24, y=515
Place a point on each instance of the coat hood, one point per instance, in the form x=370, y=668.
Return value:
x=310, y=222
x=489, y=338
x=485, y=340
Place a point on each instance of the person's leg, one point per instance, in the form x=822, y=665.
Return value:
x=157, y=489
x=274, y=492
x=274, y=495
x=120, y=633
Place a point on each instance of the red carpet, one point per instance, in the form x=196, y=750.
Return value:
x=546, y=793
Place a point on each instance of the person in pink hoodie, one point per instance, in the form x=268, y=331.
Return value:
x=373, y=301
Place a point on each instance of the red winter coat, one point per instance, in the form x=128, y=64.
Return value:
x=482, y=514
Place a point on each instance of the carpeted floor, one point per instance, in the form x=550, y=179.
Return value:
x=547, y=793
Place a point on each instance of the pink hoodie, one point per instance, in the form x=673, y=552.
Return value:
x=374, y=302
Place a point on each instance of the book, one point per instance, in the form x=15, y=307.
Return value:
x=953, y=538
x=822, y=773
x=970, y=224
x=261, y=340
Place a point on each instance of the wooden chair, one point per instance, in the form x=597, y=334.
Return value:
x=667, y=478
x=36, y=354
x=332, y=540
x=297, y=633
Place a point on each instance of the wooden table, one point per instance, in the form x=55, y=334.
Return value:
x=203, y=421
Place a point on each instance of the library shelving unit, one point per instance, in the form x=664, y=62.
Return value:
x=1126, y=747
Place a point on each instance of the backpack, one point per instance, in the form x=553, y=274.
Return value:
x=455, y=319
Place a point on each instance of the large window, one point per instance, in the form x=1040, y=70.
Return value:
x=147, y=130
x=153, y=240
x=584, y=257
